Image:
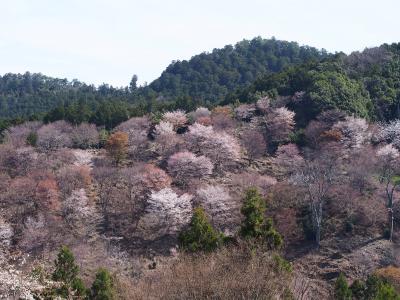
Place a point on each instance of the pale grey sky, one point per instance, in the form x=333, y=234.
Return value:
x=108, y=41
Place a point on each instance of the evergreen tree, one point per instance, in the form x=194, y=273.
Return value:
x=66, y=272
x=342, y=290
x=31, y=139
x=358, y=290
x=200, y=236
x=66, y=269
x=255, y=225
x=103, y=286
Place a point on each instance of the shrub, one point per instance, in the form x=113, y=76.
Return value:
x=358, y=289
x=200, y=236
x=32, y=138
x=342, y=290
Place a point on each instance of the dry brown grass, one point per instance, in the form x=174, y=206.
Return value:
x=392, y=274
x=231, y=273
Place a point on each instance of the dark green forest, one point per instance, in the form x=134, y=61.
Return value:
x=207, y=77
x=308, y=80
x=365, y=84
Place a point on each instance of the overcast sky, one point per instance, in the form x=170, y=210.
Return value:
x=108, y=41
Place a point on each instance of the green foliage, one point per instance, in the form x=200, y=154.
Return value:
x=103, y=286
x=200, y=236
x=66, y=272
x=378, y=288
x=212, y=75
x=282, y=264
x=358, y=289
x=103, y=137
x=255, y=225
x=65, y=268
x=374, y=288
x=32, y=139
x=253, y=209
x=79, y=287
x=363, y=84
x=305, y=217
x=342, y=290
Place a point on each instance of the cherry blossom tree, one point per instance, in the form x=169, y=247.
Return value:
x=245, y=112
x=166, y=141
x=17, y=161
x=222, y=148
x=137, y=130
x=354, y=132
x=219, y=205
x=263, y=104
x=177, y=118
x=166, y=213
x=124, y=192
x=85, y=136
x=185, y=166
x=54, y=136
x=280, y=124
x=389, y=133
x=18, y=135
x=80, y=214
x=288, y=159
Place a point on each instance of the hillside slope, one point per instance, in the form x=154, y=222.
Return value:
x=208, y=76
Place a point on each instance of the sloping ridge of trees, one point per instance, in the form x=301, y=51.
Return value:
x=208, y=76
x=366, y=84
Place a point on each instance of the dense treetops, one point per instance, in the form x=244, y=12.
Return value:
x=210, y=76
x=205, y=77
x=365, y=84
x=306, y=80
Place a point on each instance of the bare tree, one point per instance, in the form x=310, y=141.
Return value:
x=389, y=167
x=317, y=177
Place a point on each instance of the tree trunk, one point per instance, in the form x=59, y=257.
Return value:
x=391, y=220
x=318, y=235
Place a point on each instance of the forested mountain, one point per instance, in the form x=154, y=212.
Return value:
x=283, y=186
x=309, y=81
x=205, y=77
x=366, y=84
x=22, y=95
x=210, y=76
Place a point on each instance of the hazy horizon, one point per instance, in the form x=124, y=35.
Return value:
x=100, y=41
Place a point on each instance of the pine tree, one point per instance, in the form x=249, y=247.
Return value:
x=255, y=225
x=200, y=236
x=103, y=286
x=66, y=269
x=342, y=290
x=66, y=272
